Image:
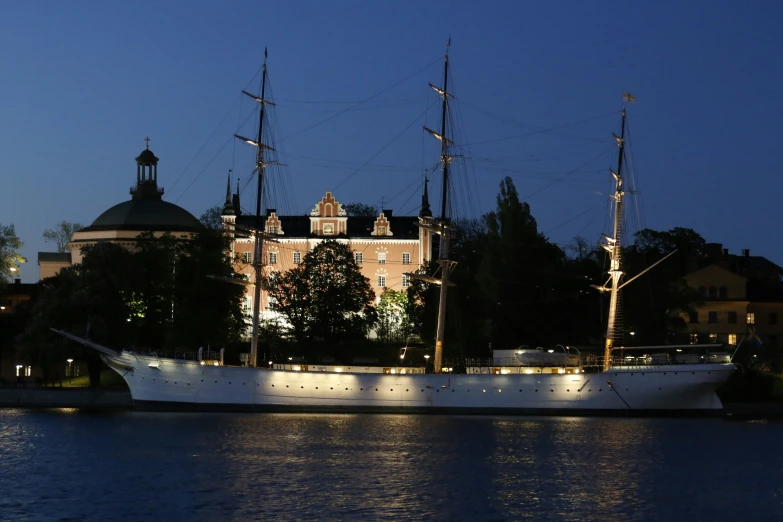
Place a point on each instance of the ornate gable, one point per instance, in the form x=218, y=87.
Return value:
x=381, y=226
x=273, y=224
x=328, y=207
x=328, y=217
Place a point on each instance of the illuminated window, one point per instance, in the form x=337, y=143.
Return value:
x=381, y=231
x=381, y=281
x=732, y=317
x=694, y=338
x=406, y=258
x=358, y=257
x=297, y=258
x=406, y=281
x=713, y=338
x=381, y=258
x=751, y=319
x=23, y=371
x=712, y=317
x=272, y=258
x=733, y=339
x=246, y=304
x=328, y=229
x=273, y=230
x=246, y=257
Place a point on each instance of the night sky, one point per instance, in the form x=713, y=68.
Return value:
x=538, y=89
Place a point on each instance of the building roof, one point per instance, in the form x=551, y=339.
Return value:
x=146, y=214
x=401, y=227
x=54, y=257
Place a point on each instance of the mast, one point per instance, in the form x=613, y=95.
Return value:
x=613, y=245
x=258, y=233
x=441, y=228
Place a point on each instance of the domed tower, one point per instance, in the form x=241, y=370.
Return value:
x=147, y=176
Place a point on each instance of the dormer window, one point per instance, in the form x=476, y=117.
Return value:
x=273, y=230
x=328, y=229
x=381, y=231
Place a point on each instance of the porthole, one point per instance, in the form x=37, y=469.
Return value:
x=188, y=384
x=422, y=389
x=568, y=390
x=331, y=388
x=167, y=382
x=316, y=387
x=360, y=389
x=273, y=386
x=438, y=390
x=599, y=389
x=391, y=389
x=346, y=389
x=215, y=382
x=453, y=390
x=632, y=374
x=286, y=386
x=229, y=382
x=536, y=391
x=520, y=390
x=406, y=389
x=590, y=390
x=553, y=391
x=302, y=387
x=202, y=380
x=376, y=389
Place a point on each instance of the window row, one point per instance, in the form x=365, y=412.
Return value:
x=714, y=292
x=731, y=317
x=406, y=281
x=247, y=257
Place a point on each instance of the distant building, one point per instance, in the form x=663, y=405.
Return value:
x=384, y=246
x=737, y=291
x=121, y=224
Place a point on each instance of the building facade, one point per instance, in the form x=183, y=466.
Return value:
x=385, y=247
x=737, y=291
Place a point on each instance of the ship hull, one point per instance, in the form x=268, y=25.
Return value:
x=175, y=385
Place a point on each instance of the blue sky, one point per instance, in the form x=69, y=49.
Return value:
x=538, y=88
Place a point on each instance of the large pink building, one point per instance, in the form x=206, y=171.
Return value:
x=385, y=246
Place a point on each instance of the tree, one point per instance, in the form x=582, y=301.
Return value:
x=326, y=298
x=10, y=258
x=361, y=209
x=394, y=324
x=61, y=234
x=212, y=218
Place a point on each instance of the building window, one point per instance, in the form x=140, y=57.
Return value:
x=732, y=317
x=271, y=303
x=381, y=281
x=382, y=258
x=773, y=318
x=694, y=338
x=694, y=317
x=23, y=371
x=712, y=317
x=246, y=257
x=733, y=339
x=328, y=229
x=272, y=258
x=713, y=338
x=702, y=292
x=723, y=292
x=358, y=257
x=751, y=319
x=297, y=258
x=246, y=304
x=406, y=281
x=273, y=230
x=381, y=231
x=406, y=258
x=713, y=292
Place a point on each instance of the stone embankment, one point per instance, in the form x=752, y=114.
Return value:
x=82, y=398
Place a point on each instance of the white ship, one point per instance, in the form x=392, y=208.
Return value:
x=517, y=382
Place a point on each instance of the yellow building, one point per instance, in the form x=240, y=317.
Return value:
x=732, y=301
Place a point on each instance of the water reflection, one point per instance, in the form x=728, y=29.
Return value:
x=149, y=466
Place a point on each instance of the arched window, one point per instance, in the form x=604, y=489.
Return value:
x=723, y=292
x=713, y=292
x=702, y=292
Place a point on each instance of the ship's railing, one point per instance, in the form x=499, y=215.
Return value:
x=569, y=361
x=185, y=355
x=646, y=356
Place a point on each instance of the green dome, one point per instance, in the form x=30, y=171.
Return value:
x=145, y=214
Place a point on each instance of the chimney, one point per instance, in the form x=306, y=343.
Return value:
x=746, y=252
x=387, y=213
x=725, y=251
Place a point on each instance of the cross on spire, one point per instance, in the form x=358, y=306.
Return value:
x=147, y=139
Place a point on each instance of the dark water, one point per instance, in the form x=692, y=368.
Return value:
x=64, y=465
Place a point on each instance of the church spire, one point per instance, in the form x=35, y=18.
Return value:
x=425, y=201
x=228, y=207
x=147, y=176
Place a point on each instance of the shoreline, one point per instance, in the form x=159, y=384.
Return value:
x=91, y=399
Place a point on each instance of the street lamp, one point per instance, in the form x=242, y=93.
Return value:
x=70, y=372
